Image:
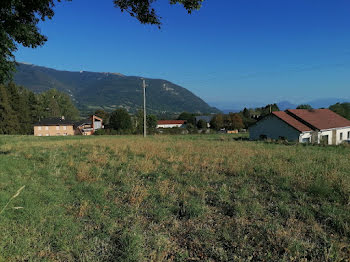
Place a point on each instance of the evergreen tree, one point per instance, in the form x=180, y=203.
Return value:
x=9, y=124
x=246, y=113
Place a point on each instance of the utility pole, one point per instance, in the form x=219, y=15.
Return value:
x=144, y=108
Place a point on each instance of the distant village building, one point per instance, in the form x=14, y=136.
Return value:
x=88, y=126
x=304, y=126
x=61, y=127
x=171, y=123
x=54, y=127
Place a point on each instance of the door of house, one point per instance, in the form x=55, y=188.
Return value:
x=324, y=140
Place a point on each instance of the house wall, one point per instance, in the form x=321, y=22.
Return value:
x=335, y=132
x=97, y=125
x=345, y=132
x=274, y=128
x=53, y=130
x=333, y=135
x=305, y=136
x=170, y=125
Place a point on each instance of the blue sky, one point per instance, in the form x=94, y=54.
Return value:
x=231, y=52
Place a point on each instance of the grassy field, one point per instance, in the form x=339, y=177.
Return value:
x=172, y=198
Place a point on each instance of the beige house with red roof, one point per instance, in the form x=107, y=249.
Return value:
x=303, y=125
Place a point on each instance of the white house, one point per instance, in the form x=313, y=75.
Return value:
x=303, y=125
x=171, y=123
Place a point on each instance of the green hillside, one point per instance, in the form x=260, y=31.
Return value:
x=111, y=90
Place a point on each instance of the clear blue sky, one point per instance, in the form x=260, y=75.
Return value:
x=230, y=52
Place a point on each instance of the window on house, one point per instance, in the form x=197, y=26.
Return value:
x=341, y=136
x=57, y=128
x=306, y=140
x=39, y=128
x=47, y=134
x=64, y=128
x=46, y=128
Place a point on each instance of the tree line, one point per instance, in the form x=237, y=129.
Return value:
x=121, y=122
x=20, y=108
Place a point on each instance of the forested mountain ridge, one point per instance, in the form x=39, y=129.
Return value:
x=91, y=90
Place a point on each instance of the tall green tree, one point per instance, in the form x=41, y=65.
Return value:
x=189, y=117
x=9, y=124
x=19, y=23
x=151, y=122
x=56, y=104
x=236, y=121
x=217, y=122
x=18, y=97
x=120, y=120
x=201, y=124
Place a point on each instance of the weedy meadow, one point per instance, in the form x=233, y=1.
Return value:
x=172, y=198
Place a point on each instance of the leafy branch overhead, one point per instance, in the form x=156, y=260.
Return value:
x=19, y=23
x=143, y=11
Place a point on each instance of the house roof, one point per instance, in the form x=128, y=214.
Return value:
x=319, y=118
x=55, y=121
x=171, y=122
x=291, y=121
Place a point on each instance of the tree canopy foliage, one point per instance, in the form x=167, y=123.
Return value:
x=146, y=14
x=342, y=109
x=19, y=23
x=189, y=117
x=21, y=108
x=120, y=120
x=304, y=106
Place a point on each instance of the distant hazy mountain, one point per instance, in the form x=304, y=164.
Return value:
x=326, y=102
x=92, y=90
x=318, y=103
x=283, y=105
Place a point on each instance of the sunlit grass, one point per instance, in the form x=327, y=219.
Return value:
x=172, y=198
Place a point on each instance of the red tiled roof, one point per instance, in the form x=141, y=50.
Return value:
x=171, y=122
x=291, y=121
x=319, y=118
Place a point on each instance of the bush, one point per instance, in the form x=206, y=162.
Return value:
x=108, y=132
